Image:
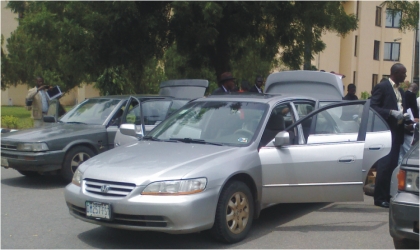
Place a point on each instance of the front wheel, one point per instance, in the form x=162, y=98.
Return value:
x=234, y=213
x=73, y=159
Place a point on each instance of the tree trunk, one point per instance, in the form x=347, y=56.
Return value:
x=307, y=54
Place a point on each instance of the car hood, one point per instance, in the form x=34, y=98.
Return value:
x=50, y=132
x=147, y=161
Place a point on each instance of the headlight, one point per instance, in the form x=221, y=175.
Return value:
x=35, y=146
x=408, y=181
x=176, y=187
x=77, y=178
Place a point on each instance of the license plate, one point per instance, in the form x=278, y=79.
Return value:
x=98, y=210
x=4, y=162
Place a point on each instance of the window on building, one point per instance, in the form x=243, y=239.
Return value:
x=354, y=77
x=374, y=80
x=392, y=51
x=393, y=18
x=357, y=8
x=378, y=16
x=376, y=50
x=355, y=46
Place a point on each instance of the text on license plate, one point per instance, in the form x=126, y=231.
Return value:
x=98, y=210
x=4, y=162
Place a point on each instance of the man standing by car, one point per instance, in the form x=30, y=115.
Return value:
x=387, y=100
x=226, y=84
x=351, y=93
x=39, y=102
x=258, y=84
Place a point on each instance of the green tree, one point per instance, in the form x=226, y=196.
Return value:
x=217, y=33
x=69, y=43
x=310, y=21
x=410, y=13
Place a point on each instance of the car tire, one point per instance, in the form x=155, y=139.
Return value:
x=74, y=157
x=234, y=213
x=369, y=189
x=29, y=173
x=405, y=244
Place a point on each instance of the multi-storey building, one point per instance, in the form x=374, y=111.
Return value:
x=366, y=55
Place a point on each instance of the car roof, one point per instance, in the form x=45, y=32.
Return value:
x=125, y=97
x=254, y=97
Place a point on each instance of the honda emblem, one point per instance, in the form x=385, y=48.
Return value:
x=105, y=188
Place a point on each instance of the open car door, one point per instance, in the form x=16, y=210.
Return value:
x=327, y=171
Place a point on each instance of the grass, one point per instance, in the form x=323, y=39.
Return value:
x=18, y=117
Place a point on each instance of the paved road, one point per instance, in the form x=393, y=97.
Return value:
x=34, y=215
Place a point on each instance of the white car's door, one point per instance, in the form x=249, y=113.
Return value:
x=319, y=172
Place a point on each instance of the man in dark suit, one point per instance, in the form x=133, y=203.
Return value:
x=387, y=99
x=226, y=84
x=259, y=80
x=351, y=93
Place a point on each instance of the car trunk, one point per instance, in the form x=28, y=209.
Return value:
x=184, y=88
x=315, y=84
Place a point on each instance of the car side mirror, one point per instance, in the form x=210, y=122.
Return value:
x=282, y=139
x=132, y=130
x=49, y=119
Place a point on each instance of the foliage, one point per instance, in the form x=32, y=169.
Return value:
x=310, y=21
x=9, y=121
x=72, y=42
x=410, y=13
x=364, y=95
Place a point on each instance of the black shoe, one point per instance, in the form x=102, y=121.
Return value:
x=382, y=204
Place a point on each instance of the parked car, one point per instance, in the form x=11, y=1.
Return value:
x=87, y=130
x=404, y=205
x=218, y=161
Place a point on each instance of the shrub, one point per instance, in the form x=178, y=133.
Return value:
x=9, y=121
x=365, y=95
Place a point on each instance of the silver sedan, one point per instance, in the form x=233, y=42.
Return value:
x=218, y=161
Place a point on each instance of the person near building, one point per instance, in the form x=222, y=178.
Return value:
x=259, y=81
x=387, y=99
x=351, y=93
x=226, y=84
x=39, y=99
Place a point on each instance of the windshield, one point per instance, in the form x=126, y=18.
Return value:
x=91, y=111
x=226, y=123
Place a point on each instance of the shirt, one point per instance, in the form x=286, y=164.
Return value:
x=259, y=90
x=397, y=94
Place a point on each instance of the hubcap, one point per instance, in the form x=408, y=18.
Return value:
x=237, y=213
x=78, y=159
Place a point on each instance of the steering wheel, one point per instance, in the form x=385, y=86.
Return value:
x=245, y=132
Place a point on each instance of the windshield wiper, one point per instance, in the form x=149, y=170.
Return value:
x=151, y=138
x=76, y=122
x=199, y=141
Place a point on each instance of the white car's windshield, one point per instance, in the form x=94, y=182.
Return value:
x=91, y=111
x=216, y=122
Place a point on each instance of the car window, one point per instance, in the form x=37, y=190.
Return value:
x=336, y=120
x=304, y=109
x=227, y=123
x=376, y=123
x=91, y=111
x=116, y=118
x=176, y=104
x=280, y=118
x=155, y=111
x=133, y=115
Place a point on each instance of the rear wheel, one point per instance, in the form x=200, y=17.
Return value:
x=28, y=173
x=234, y=213
x=73, y=159
x=406, y=244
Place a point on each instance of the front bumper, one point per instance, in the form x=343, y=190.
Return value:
x=170, y=214
x=32, y=161
x=404, y=216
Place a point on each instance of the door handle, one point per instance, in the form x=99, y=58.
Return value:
x=346, y=160
x=375, y=147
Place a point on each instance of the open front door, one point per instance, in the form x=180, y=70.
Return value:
x=327, y=171
x=132, y=123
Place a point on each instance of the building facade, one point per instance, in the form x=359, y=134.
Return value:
x=366, y=55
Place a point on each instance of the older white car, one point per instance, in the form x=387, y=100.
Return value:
x=218, y=161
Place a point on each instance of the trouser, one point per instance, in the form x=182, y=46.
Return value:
x=384, y=170
x=38, y=123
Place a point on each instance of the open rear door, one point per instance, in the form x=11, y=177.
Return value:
x=184, y=88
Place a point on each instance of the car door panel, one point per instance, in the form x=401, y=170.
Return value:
x=327, y=170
